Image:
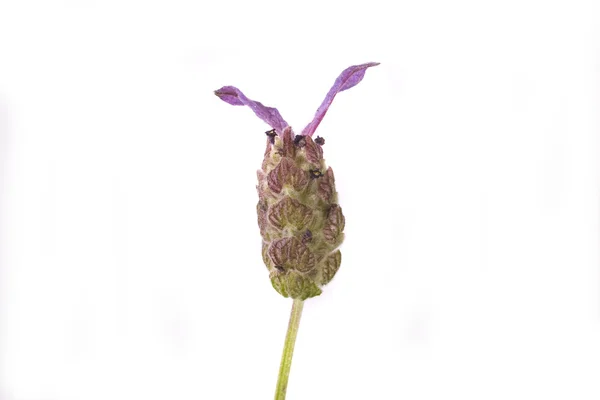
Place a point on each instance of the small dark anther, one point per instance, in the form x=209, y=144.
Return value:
x=279, y=268
x=271, y=134
x=300, y=141
x=320, y=141
x=315, y=173
x=307, y=236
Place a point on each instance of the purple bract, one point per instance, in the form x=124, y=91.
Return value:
x=350, y=77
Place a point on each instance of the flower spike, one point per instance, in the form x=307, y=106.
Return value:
x=299, y=216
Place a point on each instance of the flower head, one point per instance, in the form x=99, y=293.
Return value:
x=300, y=220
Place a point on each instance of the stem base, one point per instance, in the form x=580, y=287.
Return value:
x=288, y=349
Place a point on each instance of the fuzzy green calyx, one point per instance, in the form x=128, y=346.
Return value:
x=300, y=221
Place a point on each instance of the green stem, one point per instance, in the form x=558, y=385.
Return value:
x=288, y=349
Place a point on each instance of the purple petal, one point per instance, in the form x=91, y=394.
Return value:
x=234, y=96
x=350, y=77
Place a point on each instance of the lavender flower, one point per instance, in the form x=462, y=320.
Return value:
x=300, y=220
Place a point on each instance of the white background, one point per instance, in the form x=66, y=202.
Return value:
x=466, y=164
